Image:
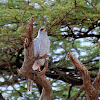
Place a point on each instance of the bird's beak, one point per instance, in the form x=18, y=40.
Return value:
x=44, y=30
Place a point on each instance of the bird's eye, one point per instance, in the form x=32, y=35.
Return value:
x=41, y=29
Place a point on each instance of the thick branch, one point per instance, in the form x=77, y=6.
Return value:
x=92, y=93
x=81, y=35
x=97, y=79
x=39, y=78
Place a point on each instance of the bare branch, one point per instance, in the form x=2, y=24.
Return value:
x=69, y=92
x=96, y=82
x=79, y=92
x=92, y=93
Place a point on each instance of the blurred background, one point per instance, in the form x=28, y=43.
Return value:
x=74, y=26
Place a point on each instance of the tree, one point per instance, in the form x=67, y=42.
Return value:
x=73, y=25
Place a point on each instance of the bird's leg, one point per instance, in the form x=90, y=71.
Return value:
x=39, y=66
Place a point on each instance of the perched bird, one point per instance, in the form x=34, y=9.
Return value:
x=41, y=47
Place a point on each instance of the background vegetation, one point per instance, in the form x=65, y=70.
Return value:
x=74, y=25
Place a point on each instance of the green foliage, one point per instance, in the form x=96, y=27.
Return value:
x=74, y=19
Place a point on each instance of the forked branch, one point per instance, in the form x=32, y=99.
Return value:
x=91, y=91
x=26, y=69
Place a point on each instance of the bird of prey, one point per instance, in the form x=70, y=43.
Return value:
x=41, y=47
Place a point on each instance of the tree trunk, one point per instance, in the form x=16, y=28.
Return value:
x=26, y=69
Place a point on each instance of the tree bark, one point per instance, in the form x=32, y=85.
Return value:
x=26, y=69
x=90, y=88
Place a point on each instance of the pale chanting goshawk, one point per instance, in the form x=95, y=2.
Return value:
x=41, y=47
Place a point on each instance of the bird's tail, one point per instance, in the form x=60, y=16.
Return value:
x=35, y=66
x=29, y=84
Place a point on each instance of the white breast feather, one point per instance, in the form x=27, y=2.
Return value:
x=41, y=47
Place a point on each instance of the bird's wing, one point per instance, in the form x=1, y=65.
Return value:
x=36, y=46
x=48, y=46
x=45, y=46
x=36, y=51
x=41, y=46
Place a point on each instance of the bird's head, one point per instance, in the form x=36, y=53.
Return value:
x=42, y=31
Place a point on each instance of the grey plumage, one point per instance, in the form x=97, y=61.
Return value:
x=41, y=47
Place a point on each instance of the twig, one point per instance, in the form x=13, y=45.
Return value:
x=79, y=92
x=69, y=92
